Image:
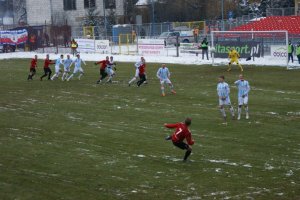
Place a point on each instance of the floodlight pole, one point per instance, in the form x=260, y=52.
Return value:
x=104, y=15
x=153, y=17
x=222, y=8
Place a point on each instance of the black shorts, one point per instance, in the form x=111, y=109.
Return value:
x=181, y=145
x=47, y=70
x=142, y=76
x=102, y=72
x=32, y=70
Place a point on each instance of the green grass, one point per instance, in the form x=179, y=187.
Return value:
x=78, y=140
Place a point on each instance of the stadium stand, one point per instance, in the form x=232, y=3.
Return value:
x=289, y=23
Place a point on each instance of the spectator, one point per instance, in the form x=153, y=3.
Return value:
x=196, y=34
x=142, y=33
x=290, y=52
x=66, y=40
x=46, y=36
x=298, y=52
x=74, y=47
x=204, y=47
x=32, y=42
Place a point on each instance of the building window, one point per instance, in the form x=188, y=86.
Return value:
x=69, y=4
x=110, y=4
x=89, y=3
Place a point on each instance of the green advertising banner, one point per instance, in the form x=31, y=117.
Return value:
x=245, y=49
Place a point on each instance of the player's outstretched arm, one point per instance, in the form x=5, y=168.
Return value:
x=170, y=125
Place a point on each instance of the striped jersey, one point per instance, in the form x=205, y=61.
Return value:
x=223, y=89
x=243, y=87
x=78, y=62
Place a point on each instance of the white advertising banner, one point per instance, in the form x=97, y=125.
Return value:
x=102, y=46
x=151, y=47
x=86, y=45
x=278, y=51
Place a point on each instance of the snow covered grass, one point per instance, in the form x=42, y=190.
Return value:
x=170, y=57
x=79, y=140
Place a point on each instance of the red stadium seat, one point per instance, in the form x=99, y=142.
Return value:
x=289, y=23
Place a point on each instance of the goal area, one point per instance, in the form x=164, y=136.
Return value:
x=254, y=47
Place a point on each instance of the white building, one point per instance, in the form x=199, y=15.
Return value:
x=39, y=11
x=60, y=12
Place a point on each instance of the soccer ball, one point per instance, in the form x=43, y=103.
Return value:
x=213, y=49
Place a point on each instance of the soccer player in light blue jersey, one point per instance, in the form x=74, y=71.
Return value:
x=110, y=69
x=163, y=74
x=243, y=91
x=77, y=68
x=58, y=62
x=67, y=64
x=224, y=99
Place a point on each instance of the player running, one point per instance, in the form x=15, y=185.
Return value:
x=32, y=69
x=182, y=132
x=224, y=99
x=58, y=62
x=110, y=69
x=163, y=74
x=243, y=91
x=67, y=65
x=47, y=70
x=234, y=56
x=104, y=64
x=77, y=68
x=137, y=65
x=142, y=75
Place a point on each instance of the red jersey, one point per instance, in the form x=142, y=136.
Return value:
x=33, y=64
x=182, y=132
x=47, y=63
x=103, y=63
x=142, y=69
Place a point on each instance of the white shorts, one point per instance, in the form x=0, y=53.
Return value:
x=137, y=72
x=109, y=71
x=243, y=101
x=57, y=69
x=66, y=69
x=167, y=81
x=77, y=69
x=225, y=102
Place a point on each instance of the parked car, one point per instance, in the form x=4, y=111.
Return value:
x=171, y=37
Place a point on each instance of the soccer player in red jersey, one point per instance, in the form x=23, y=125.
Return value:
x=103, y=73
x=142, y=74
x=33, y=65
x=47, y=70
x=181, y=133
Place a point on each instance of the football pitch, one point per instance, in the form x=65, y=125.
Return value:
x=78, y=140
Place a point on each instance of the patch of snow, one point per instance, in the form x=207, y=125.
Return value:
x=191, y=59
x=293, y=113
x=268, y=166
x=218, y=170
x=272, y=113
x=247, y=165
x=289, y=173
